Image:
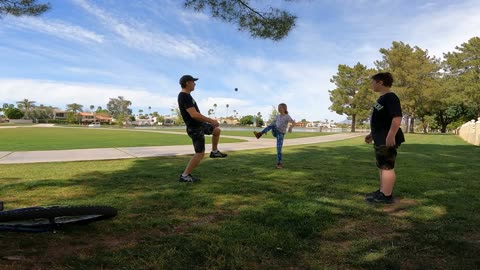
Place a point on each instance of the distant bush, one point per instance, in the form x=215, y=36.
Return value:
x=14, y=113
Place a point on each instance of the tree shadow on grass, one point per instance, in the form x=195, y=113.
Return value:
x=245, y=214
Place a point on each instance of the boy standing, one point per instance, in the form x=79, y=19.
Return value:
x=386, y=134
x=197, y=126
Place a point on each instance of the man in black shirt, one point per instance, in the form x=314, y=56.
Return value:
x=386, y=134
x=197, y=126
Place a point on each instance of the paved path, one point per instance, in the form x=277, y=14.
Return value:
x=154, y=151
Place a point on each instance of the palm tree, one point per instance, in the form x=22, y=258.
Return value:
x=26, y=105
x=215, y=110
x=92, y=107
x=227, y=109
x=75, y=108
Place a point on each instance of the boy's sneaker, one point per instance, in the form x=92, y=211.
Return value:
x=217, y=154
x=379, y=198
x=279, y=165
x=258, y=134
x=372, y=194
x=188, y=179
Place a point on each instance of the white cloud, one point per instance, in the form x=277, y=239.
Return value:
x=441, y=30
x=136, y=36
x=56, y=28
x=61, y=93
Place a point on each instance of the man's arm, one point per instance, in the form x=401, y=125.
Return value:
x=200, y=117
x=396, y=122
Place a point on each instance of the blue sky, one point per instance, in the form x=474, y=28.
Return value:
x=87, y=51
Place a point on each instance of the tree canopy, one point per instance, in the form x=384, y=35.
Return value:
x=22, y=7
x=352, y=95
x=270, y=23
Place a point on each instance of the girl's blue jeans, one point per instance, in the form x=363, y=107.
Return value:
x=279, y=137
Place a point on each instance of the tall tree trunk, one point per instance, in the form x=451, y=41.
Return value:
x=353, y=123
x=412, y=123
x=424, y=126
x=407, y=122
x=444, y=128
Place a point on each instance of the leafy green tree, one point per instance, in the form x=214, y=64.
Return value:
x=352, y=95
x=464, y=64
x=42, y=113
x=273, y=114
x=272, y=23
x=22, y=8
x=179, y=119
x=13, y=113
x=413, y=71
x=246, y=120
x=119, y=109
x=259, y=119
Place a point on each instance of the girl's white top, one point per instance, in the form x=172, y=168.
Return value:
x=281, y=121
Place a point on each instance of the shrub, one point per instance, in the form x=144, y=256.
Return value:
x=14, y=113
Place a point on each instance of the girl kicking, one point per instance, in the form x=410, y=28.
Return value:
x=278, y=128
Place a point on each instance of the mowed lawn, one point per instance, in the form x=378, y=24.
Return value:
x=246, y=133
x=245, y=214
x=33, y=138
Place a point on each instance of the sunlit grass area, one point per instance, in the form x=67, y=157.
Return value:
x=246, y=214
x=34, y=138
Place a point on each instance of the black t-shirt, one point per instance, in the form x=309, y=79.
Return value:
x=387, y=107
x=186, y=101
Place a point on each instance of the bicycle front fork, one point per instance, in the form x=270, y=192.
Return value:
x=1, y=206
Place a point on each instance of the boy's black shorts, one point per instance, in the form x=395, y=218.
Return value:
x=385, y=156
x=198, y=136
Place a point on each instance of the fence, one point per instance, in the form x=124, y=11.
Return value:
x=470, y=132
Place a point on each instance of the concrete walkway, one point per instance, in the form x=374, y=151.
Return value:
x=155, y=151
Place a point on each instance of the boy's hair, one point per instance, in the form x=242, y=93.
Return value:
x=284, y=106
x=385, y=77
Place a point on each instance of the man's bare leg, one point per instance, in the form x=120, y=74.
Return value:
x=193, y=163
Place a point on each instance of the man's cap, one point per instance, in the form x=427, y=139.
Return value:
x=187, y=78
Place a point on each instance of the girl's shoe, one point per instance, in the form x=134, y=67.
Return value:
x=258, y=134
x=279, y=165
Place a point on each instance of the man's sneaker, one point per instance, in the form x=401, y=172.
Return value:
x=372, y=194
x=217, y=154
x=188, y=179
x=279, y=165
x=258, y=134
x=380, y=198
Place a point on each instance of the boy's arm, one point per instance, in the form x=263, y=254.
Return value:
x=396, y=122
x=200, y=117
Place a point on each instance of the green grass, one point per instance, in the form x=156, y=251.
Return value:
x=245, y=214
x=30, y=139
x=246, y=133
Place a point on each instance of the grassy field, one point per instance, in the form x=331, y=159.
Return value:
x=245, y=214
x=246, y=133
x=30, y=139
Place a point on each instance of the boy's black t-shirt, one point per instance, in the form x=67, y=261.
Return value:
x=387, y=107
x=186, y=101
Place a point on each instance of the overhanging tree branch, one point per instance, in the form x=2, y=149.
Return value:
x=273, y=24
x=22, y=8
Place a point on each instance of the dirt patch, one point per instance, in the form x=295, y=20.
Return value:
x=400, y=207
